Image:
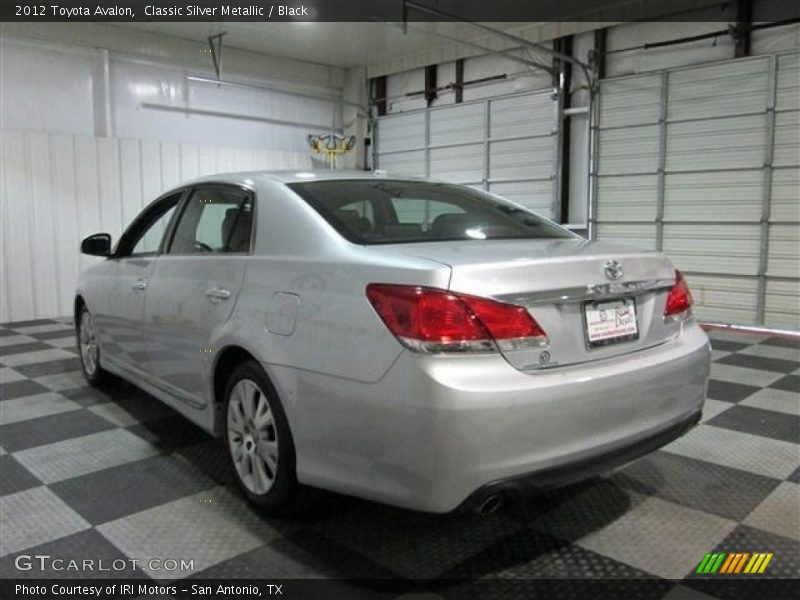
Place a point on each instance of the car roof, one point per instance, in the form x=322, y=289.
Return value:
x=249, y=178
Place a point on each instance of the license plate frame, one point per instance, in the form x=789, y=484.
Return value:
x=603, y=342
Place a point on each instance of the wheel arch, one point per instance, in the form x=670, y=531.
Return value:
x=225, y=362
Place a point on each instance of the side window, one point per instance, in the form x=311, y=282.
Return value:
x=215, y=219
x=149, y=234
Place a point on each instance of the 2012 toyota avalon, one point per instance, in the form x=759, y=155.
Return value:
x=418, y=343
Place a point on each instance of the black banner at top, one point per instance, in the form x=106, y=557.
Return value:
x=388, y=10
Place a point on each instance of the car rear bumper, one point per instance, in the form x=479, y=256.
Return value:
x=566, y=474
x=435, y=430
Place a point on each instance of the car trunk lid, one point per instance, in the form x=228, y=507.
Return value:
x=556, y=280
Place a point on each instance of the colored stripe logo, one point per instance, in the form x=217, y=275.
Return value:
x=734, y=562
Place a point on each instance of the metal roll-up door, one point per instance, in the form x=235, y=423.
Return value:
x=506, y=145
x=695, y=162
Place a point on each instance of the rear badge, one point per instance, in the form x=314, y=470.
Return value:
x=613, y=270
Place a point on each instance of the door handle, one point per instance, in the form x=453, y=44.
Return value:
x=218, y=294
x=139, y=285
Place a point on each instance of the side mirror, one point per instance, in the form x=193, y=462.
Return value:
x=98, y=244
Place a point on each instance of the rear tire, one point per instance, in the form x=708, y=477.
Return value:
x=89, y=351
x=258, y=441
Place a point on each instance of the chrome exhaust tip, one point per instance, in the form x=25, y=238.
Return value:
x=490, y=505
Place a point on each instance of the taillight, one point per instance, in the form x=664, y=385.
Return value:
x=679, y=299
x=433, y=320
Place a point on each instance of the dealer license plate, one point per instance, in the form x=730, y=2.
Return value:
x=610, y=322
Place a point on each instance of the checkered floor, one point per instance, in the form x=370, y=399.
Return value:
x=115, y=474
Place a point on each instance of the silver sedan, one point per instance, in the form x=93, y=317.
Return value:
x=418, y=343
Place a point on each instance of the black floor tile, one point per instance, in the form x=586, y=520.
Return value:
x=55, y=428
x=729, y=392
x=756, y=421
x=85, y=545
x=86, y=396
x=30, y=323
x=784, y=342
x=23, y=348
x=120, y=491
x=790, y=383
x=727, y=346
x=795, y=476
x=529, y=554
x=18, y=389
x=7, y=332
x=170, y=433
x=53, y=335
x=701, y=485
x=51, y=367
x=15, y=477
x=759, y=362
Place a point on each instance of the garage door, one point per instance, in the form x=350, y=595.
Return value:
x=505, y=145
x=702, y=162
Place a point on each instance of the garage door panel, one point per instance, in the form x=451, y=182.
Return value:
x=724, y=299
x=521, y=159
x=528, y=115
x=457, y=124
x=639, y=236
x=787, y=139
x=404, y=163
x=629, y=150
x=731, y=249
x=737, y=142
x=787, y=92
x=401, y=132
x=784, y=240
x=781, y=306
x=718, y=90
x=631, y=198
x=722, y=196
x=536, y=195
x=458, y=164
x=630, y=101
x=785, y=205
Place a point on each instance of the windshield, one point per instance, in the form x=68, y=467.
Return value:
x=385, y=211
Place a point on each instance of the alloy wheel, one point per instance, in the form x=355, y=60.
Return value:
x=252, y=436
x=88, y=344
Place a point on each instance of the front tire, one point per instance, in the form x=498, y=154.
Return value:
x=89, y=350
x=258, y=440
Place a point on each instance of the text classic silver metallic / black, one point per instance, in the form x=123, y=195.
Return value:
x=417, y=343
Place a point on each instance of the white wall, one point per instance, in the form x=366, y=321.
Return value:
x=48, y=87
x=57, y=188
x=80, y=152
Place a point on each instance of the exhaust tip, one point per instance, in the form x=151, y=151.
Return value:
x=490, y=505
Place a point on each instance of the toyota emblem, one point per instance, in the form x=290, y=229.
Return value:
x=613, y=270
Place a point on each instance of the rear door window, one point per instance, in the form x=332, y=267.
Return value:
x=215, y=219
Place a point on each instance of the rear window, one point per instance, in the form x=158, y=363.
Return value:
x=395, y=212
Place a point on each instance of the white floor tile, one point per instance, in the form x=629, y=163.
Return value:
x=33, y=407
x=33, y=517
x=772, y=399
x=751, y=453
x=743, y=375
x=86, y=454
x=779, y=513
x=207, y=528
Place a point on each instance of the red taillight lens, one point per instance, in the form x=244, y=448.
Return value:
x=434, y=320
x=679, y=299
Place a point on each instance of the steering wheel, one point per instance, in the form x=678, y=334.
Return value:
x=201, y=246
